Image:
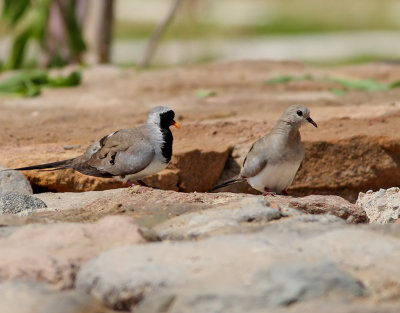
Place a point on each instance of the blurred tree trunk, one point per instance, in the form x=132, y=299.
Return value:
x=105, y=31
x=157, y=34
x=98, y=30
x=64, y=43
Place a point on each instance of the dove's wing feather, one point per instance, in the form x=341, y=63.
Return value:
x=126, y=151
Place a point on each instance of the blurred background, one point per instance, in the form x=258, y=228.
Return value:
x=46, y=33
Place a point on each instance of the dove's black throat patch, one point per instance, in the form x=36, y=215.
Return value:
x=166, y=119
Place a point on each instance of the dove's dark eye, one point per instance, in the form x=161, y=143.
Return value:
x=299, y=113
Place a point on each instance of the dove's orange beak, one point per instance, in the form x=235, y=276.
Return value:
x=175, y=124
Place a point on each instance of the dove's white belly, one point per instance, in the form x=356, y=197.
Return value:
x=154, y=167
x=275, y=178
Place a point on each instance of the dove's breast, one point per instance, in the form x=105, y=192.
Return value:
x=275, y=177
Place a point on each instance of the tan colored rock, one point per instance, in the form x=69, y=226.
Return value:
x=317, y=204
x=53, y=253
x=347, y=166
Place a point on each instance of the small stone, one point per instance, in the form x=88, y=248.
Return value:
x=70, y=147
x=15, y=181
x=13, y=202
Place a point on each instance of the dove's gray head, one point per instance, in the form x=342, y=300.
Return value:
x=296, y=115
x=162, y=116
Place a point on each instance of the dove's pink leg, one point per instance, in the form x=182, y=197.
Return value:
x=268, y=192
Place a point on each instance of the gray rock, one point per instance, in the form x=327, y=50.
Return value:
x=230, y=217
x=280, y=285
x=288, y=283
x=18, y=296
x=14, y=181
x=223, y=267
x=13, y=202
x=382, y=206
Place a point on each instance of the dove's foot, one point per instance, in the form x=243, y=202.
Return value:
x=267, y=192
x=285, y=193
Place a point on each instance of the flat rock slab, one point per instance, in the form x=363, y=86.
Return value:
x=280, y=285
x=53, y=253
x=151, y=206
x=287, y=263
x=226, y=218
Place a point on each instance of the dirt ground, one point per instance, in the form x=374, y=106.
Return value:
x=37, y=130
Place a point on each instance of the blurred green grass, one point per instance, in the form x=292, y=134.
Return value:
x=284, y=25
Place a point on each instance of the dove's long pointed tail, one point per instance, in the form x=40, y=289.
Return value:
x=52, y=166
x=227, y=183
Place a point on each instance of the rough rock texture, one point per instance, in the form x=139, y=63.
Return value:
x=250, y=211
x=14, y=202
x=13, y=181
x=348, y=261
x=19, y=296
x=335, y=205
x=134, y=201
x=382, y=206
x=280, y=285
x=53, y=253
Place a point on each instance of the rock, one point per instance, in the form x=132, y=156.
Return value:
x=90, y=206
x=382, y=206
x=70, y=147
x=335, y=306
x=200, y=167
x=20, y=296
x=280, y=285
x=167, y=179
x=13, y=202
x=344, y=258
x=232, y=217
x=317, y=204
x=13, y=181
x=53, y=253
